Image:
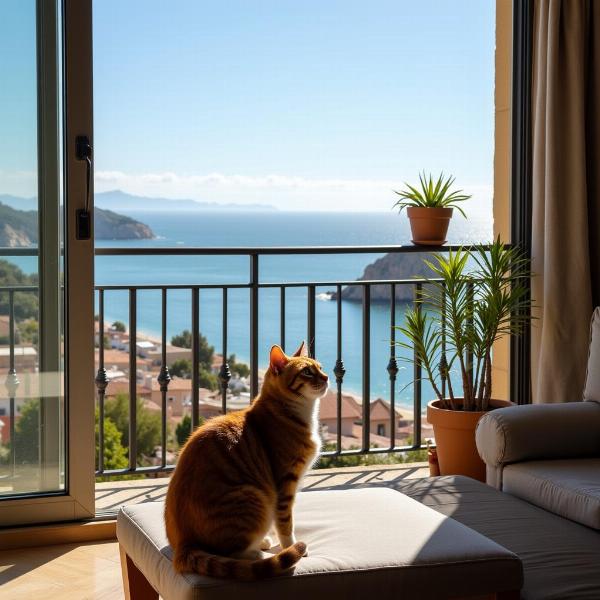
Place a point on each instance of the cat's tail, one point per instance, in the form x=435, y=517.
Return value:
x=222, y=567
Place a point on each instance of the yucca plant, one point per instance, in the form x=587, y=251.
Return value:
x=433, y=194
x=461, y=313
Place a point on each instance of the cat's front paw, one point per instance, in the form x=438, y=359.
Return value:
x=266, y=544
x=287, y=540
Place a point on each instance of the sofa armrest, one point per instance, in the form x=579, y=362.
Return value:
x=538, y=431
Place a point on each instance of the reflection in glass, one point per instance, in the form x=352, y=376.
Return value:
x=31, y=267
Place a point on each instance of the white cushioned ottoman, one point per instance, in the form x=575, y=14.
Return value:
x=362, y=543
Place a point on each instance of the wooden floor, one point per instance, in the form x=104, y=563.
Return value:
x=68, y=572
x=93, y=572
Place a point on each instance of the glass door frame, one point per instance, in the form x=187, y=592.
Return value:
x=76, y=501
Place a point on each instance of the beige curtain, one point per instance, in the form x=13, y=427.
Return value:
x=566, y=186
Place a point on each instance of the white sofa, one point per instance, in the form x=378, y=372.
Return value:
x=549, y=454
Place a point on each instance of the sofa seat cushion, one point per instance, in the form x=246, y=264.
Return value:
x=569, y=488
x=365, y=543
x=560, y=557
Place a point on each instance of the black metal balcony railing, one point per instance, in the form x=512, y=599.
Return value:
x=12, y=381
x=253, y=285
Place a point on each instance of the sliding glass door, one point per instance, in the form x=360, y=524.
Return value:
x=46, y=262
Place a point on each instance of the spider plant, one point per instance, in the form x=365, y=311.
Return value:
x=461, y=313
x=432, y=194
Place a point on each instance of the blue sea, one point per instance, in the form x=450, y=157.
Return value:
x=256, y=229
x=260, y=229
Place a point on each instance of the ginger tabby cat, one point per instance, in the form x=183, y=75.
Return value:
x=237, y=475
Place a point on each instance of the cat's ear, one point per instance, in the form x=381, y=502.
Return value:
x=302, y=351
x=277, y=360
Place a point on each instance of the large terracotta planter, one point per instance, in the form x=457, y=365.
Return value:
x=429, y=226
x=454, y=432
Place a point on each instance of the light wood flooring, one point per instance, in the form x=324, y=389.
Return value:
x=66, y=572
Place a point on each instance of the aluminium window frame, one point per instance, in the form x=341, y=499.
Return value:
x=521, y=176
x=77, y=500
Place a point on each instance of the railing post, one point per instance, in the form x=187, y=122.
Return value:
x=224, y=373
x=310, y=321
x=417, y=399
x=101, y=381
x=254, y=275
x=163, y=379
x=195, y=353
x=339, y=370
x=12, y=381
x=132, y=379
x=366, y=367
x=282, y=318
x=392, y=368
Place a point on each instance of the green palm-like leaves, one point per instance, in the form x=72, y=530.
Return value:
x=463, y=312
x=433, y=194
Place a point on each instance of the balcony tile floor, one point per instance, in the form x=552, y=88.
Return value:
x=113, y=494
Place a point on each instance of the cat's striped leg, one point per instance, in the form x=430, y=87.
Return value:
x=284, y=520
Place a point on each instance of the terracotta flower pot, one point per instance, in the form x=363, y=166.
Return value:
x=429, y=226
x=454, y=432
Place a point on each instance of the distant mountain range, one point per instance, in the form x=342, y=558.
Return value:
x=19, y=228
x=118, y=200
x=121, y=201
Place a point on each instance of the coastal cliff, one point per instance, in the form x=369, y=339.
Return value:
x=391, y=266
x=19, y=228
x=112, y=226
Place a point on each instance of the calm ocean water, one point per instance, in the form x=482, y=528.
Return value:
x=217, y=229
x=270, y=229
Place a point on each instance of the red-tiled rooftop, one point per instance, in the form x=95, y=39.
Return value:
x=350, y=407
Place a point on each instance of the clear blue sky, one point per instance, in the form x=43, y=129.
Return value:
x=303, y=104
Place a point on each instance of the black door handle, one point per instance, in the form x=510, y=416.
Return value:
x=83, y=151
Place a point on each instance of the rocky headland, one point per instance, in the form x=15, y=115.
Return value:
x=19, y=228
x=391, y=266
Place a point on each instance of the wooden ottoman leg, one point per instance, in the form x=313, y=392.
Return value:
x=135, y=584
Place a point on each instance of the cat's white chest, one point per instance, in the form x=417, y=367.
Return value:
x=310, y=415
x=314, y=433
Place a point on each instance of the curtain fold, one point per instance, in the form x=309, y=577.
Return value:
x=565, y=189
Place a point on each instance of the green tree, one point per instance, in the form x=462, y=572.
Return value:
x=183, y=339
x=183, y=430
x=25, y=303
x=28, y=332
x=148, y=425
x=119, y=326
x=208, y=380
x=27, y=432
x=205, y=350
x=181, y=368
x=106, y=342
x=240, y=369
x=115, y=455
